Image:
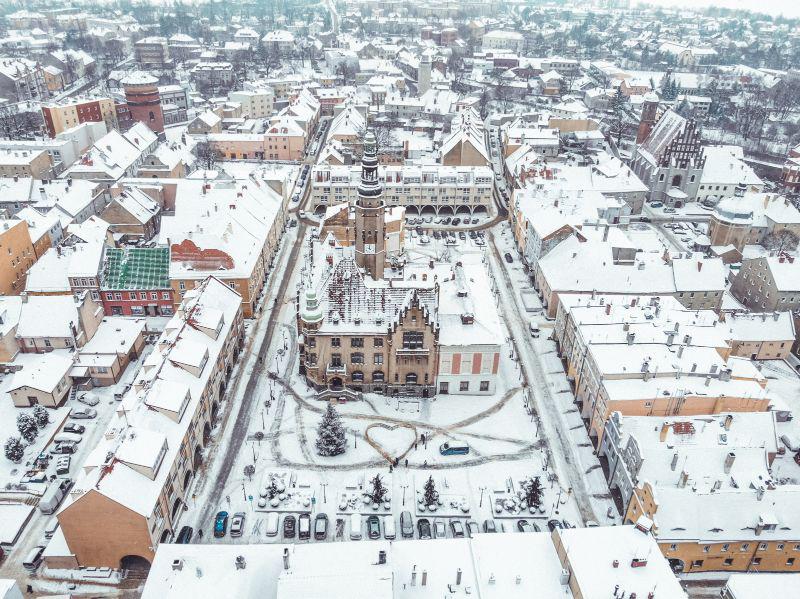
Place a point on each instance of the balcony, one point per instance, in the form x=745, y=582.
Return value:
x=412, y=351
x=337, y=369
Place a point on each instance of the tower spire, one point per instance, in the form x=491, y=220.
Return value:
x=370, y=213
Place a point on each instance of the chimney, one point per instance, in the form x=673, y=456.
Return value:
x=177, y=564
x=381, y=557
x=608, y=309
x=760, y=493
x=708, y=381
x=285, y=558
x=664, y=430
x=630, y=338
x=725, y=375
x=680, y=351
x=424, y=578
x=728, y=421
x=670, y=338
x=414, y=576
x=240, y=562
x=699, y=266
x=683, y=479
x=674, y=463
x=729, y=462
x=458, y=577
x=605, y=233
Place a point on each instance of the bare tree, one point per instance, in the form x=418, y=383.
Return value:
x=207, y=155
x=784, y=240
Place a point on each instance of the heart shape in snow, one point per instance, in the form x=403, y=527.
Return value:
x=391, y=441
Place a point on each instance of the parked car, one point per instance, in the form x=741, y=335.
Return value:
x=71, y=427
x=63, y=448
x=462, y=236
x=455, y=449
x=321, y=527
x=83, y=413
x=525, y=526
x=237, y=524
x=424, y=528
x=406, y=525
x=439, y=529
x=446, y=220
x=456, y=221
x=34, y=558
x=220, y=524
x=473, y=235
x=373, y=527
x=185, y=535
x=489, y=526
x=436, y=234
x=62, y=465
x=389, y=531
x=458, y=529
x=669, y=210
x=472, y=528
x=553, y=524
x=88, y=399
x=304, y=527
x=289, y=527
x=508, y=258
x=656, y=204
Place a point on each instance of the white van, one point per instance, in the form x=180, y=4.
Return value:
x=355, y=527
x=534, y=328
x=389, y=531
x=34, y=558
x=51, y=528
x=53, y=495
x=273, y=523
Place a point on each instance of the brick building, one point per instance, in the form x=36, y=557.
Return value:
x=135, y=282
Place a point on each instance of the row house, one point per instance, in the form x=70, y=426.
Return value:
x=132, y=488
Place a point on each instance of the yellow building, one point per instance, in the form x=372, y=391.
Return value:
x=16, y=257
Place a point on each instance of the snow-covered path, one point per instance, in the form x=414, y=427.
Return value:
x=569, y=443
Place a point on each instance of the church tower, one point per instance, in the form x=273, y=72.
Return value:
x=649, y=116
x=370, y=217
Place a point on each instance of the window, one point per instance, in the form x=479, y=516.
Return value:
x=444, y=388
x=673, y=547
x=357, y=358
x=463, y=386
x=132, y=295
x=312, y=342
x=745, y=546
x=762, y=546
x=756, y=561
x=411, y=378
x=706, y=548
x=484, y=385
x=377, y=342
x=412, y=339
x=182, y=286
x=698, y=563
x=725, y=547
x=336, y=360
x=47, y=343
x=378, y=358
x=378, y=376
x=358, y=376
x=790, y=561
x=165, y=295
x=109, y=296
x=336, y=342
x=143, y=295
x=356, y=342
x=154, y=295
x=728, y=562
x=780, y=546
x=118, y=296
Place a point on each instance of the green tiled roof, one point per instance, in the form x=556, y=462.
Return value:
x=136, y=268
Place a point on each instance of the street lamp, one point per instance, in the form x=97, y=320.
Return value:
x=404, y=487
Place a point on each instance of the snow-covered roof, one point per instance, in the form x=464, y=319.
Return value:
x=133, y=459
x=48, y=316
x=775, y=326
x=596, y=574
x=44, y=374
x=755, y=585
x=757, y=209
x=725, y=165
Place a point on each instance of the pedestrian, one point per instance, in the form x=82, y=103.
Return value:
x=415, y=445
x=29, y=589
x=396, y=462
x=200, y=533
x=425, y=463
x=390, y=468
x=406, y=462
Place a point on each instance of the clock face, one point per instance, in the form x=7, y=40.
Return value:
x=369, y=248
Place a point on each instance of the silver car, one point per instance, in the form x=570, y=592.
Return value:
x=237, y=524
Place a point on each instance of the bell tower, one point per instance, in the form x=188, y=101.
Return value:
x=369, y=213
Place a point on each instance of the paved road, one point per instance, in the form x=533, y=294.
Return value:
x=537, y=381
x=238, y=433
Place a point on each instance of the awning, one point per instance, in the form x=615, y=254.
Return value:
x=79, y=372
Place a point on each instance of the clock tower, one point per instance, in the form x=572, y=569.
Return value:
x=370, y=217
